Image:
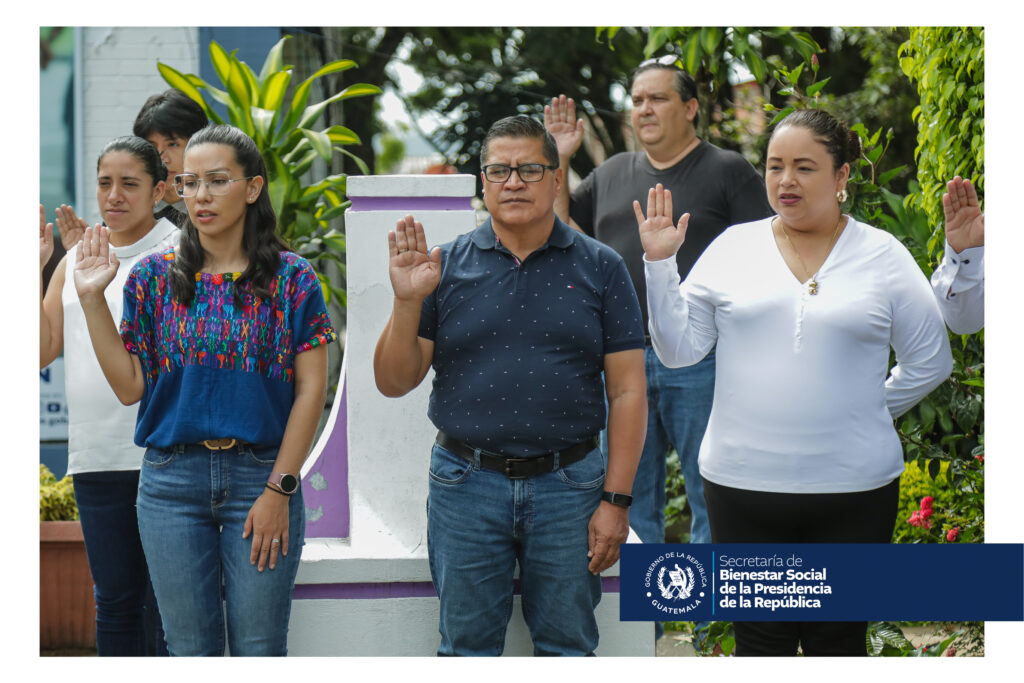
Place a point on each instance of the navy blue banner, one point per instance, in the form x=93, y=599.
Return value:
x=822, y=582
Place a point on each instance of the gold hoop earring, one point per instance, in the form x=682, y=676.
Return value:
x=842, y=195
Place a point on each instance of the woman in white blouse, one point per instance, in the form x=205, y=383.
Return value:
x=803, y=308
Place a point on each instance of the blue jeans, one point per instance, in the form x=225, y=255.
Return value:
x=192, y=506
x=127, y=621
x=678, y=407
x=480, y=524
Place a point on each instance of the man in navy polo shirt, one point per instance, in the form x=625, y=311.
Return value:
x=519, y=319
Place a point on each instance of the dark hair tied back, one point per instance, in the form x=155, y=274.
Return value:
x=140, y=149
x=853, y=141
x=260, y=241
x=843, y=144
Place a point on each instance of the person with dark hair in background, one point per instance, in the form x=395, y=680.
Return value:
x=223, y=340
x=959, y=280
x=168, y=120
x=719, y=188
x=804, y=307
x=103, y=461
x=519, y=318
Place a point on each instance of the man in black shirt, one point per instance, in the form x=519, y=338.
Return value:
x=718, y=188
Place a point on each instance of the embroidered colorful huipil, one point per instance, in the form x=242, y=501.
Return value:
x=214, y=369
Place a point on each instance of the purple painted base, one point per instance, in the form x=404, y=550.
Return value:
x=410, y=204
x=384, y=591
x=325, y=486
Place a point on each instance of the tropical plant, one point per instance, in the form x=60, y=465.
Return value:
x=56, y=498
x=948, y=66
x=283, y=128
x=948, y=428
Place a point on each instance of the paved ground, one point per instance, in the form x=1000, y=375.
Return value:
x=674, y=644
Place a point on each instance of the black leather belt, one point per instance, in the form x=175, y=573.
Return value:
x=518, y=468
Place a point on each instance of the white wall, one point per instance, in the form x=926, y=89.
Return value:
x=119, y=73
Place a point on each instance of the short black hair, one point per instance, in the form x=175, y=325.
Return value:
x=520, y=126
x=171, y=113
x=684, y=83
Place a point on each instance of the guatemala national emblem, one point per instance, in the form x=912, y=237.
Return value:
x=680, y=583
x=676, y=583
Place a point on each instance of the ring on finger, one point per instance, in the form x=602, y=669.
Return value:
x=275, y=540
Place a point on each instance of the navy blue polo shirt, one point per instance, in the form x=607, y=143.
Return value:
x=519, y=346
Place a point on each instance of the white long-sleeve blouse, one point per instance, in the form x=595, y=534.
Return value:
x=804, y=398
x=959, y=286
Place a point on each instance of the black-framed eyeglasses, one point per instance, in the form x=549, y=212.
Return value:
x=217, y=183
x=528, y=173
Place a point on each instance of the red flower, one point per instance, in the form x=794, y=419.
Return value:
x=980, y=458
x=218, y=279
x=952, y=534
x=950, y=652
x=927, y=513
x=926, y=503
x=918, y=518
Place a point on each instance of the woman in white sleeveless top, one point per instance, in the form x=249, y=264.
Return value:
x=102, y=457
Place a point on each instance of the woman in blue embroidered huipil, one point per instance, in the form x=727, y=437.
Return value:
x=223, y=344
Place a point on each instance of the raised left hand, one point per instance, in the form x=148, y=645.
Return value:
x=609, y=527
x=965, y=223
x=267, y=520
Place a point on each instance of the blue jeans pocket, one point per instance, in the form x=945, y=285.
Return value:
x=157, y=457
x=448, y=468
x=587, y=473
x=264, y=457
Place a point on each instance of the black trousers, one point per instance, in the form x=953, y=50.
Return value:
x=742, y=516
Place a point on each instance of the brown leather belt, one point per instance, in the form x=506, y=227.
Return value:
x=518, y=468
x=220, y=444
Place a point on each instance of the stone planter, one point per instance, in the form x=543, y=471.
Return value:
x=67, y=611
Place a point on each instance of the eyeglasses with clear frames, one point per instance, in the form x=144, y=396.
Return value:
x=528, y=173
x=217, y=183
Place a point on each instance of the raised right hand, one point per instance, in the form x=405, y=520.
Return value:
x=45, y=238
x=96, y=264
x=414, y=273
x=70, y=225
x=560, y=120
x=660, y=238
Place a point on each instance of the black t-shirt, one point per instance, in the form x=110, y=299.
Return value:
x=717, y=187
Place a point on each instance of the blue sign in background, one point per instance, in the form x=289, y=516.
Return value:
x=822, y=582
